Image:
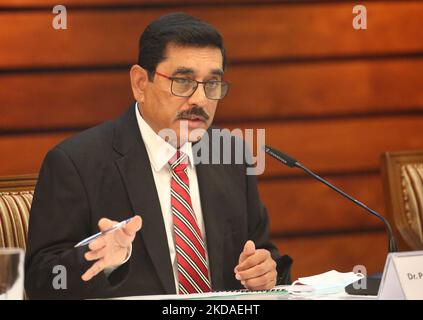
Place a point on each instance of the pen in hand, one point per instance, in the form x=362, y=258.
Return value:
x=90, y=239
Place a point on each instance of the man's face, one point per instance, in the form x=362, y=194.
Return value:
x=162, y=109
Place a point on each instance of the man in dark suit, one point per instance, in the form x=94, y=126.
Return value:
x=203, y=225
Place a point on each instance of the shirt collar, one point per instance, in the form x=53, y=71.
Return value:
x=159, y=151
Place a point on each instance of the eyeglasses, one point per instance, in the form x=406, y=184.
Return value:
x=185, y=87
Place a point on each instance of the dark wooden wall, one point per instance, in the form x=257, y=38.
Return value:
x=332, y=96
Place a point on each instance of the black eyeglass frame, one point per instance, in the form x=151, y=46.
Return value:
x=196, y=86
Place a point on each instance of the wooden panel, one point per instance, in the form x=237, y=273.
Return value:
x=63, y=100
x=323, y=146
x=306, y=205
x=23, y=154
x=274, y=32
x=321, y=89
x=103, y=3
x=342, y=145
x=18, y=183
x=77, y=99
x=341, y=252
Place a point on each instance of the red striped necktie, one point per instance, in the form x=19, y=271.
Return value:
x=190, y=249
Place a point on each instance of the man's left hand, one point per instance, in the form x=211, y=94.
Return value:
x=256, y=269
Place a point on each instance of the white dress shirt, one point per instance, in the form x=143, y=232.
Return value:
x=159, y=153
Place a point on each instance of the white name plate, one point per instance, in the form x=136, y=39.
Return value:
x=403, y=276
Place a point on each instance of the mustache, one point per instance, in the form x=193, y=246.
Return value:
x=194, y=111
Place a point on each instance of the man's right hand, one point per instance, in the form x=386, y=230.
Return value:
x=110, y=250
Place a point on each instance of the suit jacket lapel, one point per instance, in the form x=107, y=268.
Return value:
x=134, y=166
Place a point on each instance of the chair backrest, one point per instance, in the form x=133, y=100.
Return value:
x=16, y=194
x=402, y=174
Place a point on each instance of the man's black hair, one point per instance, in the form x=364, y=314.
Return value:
x=177, y=28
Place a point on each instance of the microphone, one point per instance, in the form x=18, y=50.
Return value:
x=291, y=162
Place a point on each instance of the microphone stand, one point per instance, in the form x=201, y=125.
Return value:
x=373, y=282
x=291, y=162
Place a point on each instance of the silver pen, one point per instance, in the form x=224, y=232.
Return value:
x=95, y=236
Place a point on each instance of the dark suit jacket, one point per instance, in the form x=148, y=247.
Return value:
x=105, y=172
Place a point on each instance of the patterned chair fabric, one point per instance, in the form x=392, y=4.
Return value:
x=16, y=194
x=402, y=174
x=412, y=192
x=14, y=215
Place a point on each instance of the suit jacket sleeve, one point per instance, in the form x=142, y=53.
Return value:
x=258, y=231
x=59, y=218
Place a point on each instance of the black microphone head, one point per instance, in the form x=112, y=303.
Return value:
x=282, y=157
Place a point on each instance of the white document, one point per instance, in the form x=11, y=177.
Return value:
x=276, y=292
